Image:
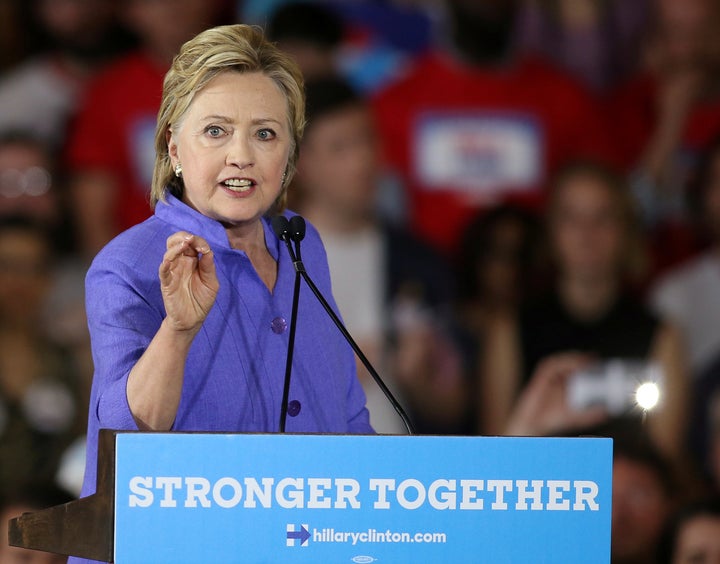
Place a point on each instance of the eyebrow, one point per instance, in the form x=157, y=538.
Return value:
x=216, y=117
x=226, y=119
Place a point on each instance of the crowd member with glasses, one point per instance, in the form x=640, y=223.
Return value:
x=26, y=178
x=41, y=388
x=32, y=188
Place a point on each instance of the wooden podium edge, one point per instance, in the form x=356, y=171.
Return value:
x=83, y=527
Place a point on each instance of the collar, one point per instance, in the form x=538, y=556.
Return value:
x=184, y=218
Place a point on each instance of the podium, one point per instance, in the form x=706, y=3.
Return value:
x=211, y=497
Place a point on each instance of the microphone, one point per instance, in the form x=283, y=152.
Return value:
x=295, y=230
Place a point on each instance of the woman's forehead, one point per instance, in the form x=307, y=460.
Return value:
x=243, y=93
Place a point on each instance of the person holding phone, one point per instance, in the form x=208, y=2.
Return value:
x=594, y=243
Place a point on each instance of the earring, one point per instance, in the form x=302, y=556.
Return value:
x=178, y=170
x=282, y=181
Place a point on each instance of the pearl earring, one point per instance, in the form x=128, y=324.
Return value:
x=284, y=176
x=178, y=170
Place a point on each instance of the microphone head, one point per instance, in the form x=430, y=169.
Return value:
x=281, y=227
x=297, y=228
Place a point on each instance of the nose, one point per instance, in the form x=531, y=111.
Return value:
x=240, y=152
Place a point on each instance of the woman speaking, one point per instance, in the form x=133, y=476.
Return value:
x=189, y=310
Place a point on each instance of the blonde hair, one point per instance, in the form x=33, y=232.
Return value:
x=229, y=48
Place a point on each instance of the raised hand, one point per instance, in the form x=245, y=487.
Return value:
x=542, y=407
x=188, y=281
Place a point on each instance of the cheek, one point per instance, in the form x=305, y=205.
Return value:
x=609, y=240
x=564, y=239
x=273, y=164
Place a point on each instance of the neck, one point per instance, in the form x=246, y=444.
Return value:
x=249, y=238
x=587, y=297
x=483, y=40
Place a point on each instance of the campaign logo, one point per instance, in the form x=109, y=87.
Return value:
x=297, y=535
x=477, y=154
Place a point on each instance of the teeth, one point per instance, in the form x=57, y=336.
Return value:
x=238, y=182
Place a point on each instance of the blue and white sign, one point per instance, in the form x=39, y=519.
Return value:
x=361, y=499
x=478, y=154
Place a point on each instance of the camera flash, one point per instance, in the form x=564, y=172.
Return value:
x=647, y=395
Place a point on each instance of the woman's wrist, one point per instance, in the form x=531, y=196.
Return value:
x=178, y=331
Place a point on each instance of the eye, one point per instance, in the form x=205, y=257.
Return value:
x=266, y=134
x=214, y=131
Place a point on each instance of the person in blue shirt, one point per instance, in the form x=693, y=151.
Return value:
x=189, y=311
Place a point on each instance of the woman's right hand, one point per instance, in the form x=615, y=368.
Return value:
x=188, y=281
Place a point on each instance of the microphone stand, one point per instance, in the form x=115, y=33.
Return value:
x=300, y=271
x=291, y=343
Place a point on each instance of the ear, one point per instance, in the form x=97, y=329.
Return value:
x=172, y=146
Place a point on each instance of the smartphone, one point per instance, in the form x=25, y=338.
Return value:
x=614, y=384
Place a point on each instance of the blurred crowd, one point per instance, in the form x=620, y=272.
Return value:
x=513, y=194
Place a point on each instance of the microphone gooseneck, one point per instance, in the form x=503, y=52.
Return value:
x=282, y=229
x=295, y=230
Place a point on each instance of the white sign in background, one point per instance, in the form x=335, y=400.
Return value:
x=477, y=154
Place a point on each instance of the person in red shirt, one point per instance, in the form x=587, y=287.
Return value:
x=476, y=123
x=110, y=151
x=667, y=115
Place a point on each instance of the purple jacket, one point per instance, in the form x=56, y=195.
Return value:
x=236, y=365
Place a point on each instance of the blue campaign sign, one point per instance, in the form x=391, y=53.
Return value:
x=184, y=497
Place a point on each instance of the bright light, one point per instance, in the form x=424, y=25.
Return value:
x=647, y=395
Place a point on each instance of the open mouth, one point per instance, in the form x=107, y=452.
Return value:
x=238, y=184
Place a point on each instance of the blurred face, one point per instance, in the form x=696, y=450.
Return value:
x=164, y=25
x=639, y=509
x=499, y=272
x=699, y=541
x=24, y=275
x=685, y=30
x=338, y=161
x=25, y=182
x=313, y=61
x=75, y=20
x=586, y=229
x=233, y=145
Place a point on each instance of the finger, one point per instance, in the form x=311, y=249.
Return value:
x=206, y=263
x=562, y=365
x=171, y=256
x=187, y=244
x=198, y=244
x=178, y=237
